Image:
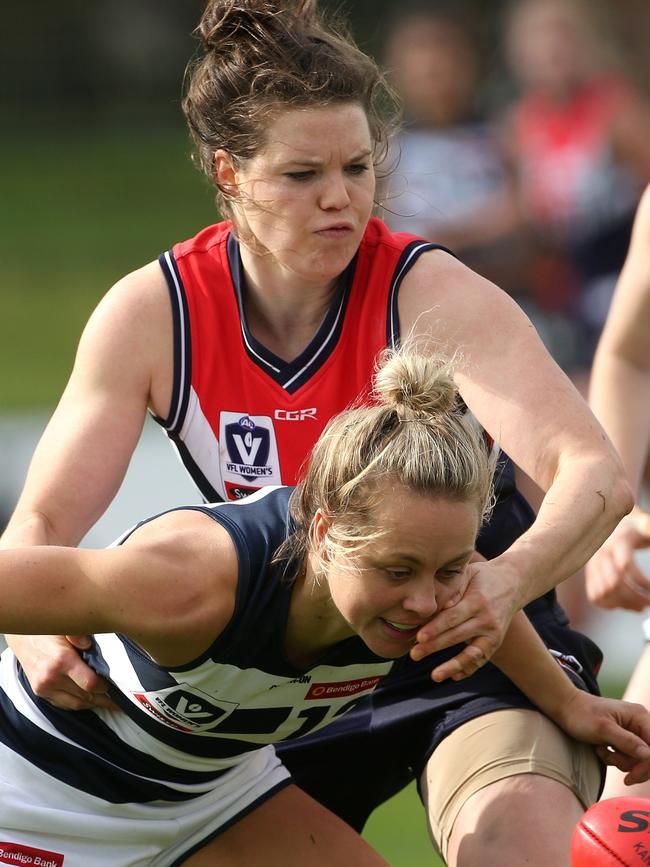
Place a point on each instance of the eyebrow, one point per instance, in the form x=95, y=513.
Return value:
x=400, y=555
x=315, y=161
x=464, y=556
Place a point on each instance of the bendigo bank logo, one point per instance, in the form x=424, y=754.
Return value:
x=248, y=448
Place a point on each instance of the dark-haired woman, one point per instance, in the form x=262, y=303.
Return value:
x=246, y=339
x=245, y=624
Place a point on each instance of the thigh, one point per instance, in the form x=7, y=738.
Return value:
x=490, y=781
x=288, y=828
x=525, y=819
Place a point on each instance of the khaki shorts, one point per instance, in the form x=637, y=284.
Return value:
x=497, y=745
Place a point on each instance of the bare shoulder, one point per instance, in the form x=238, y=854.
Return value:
x=128, y=340
x=445, y=299
x=190, y=584
x=137, y=297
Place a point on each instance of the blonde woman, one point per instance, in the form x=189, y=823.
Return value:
x=241, y=625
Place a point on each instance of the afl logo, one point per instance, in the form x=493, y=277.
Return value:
x=247, y=423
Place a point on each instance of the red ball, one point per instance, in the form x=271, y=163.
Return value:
x=612, y=833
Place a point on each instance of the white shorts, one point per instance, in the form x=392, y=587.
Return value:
x=46, y=823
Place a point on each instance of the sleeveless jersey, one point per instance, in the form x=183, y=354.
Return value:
x=182, y=727
x=241, y=417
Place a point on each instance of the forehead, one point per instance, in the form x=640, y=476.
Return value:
x=425, y=524
x=317, y=132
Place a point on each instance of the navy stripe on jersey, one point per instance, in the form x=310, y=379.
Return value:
x=83, y=768
x=410, y=255
x=209, y=494
x=292, y=375
x=182, y=345
x=89, y=732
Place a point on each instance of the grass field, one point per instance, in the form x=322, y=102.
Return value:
x=79, y=211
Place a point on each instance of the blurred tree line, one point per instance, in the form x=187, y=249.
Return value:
x=123, y=60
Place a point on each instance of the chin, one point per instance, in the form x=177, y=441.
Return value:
x=380, y=648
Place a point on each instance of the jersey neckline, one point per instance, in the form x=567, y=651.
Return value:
x=290, y=375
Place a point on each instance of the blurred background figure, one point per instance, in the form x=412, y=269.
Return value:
x=449, y=180
x=579, y=135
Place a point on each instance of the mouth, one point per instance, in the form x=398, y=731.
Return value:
x=336, y=230
x=403, y=631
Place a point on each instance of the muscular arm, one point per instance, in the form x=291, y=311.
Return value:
x=529, y=406
x=123, y=364
x=170, y=587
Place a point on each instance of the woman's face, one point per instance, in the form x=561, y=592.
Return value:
x=550, y=45
x=416, y=568
x=303, y=202
x=435, y=71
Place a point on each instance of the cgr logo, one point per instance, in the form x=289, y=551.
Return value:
x=294, y=414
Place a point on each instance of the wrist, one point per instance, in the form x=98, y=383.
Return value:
x=517, y=576
x=560, y=707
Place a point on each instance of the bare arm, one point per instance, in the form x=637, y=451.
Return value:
x=620, y=729
x=620, y=385
x=529, y=406
x=123, y=364
x=620, y=397
x=170, y=587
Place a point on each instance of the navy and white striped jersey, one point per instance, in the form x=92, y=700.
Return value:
x=180, y=728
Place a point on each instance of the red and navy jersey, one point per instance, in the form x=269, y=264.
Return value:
x=241, y=417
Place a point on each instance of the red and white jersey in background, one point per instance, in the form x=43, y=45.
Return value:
x=241, y=417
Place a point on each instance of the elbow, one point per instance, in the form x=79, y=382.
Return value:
x=626, y=499
x=620, y=500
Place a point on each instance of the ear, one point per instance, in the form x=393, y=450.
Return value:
x=225, y=173
x=320, y=526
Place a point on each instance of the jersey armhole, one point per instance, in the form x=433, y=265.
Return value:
x=182, y=346
x=409, y=256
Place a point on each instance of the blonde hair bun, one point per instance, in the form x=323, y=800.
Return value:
x=415, y=385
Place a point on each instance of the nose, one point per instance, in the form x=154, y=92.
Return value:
x=334, y=193
x=420, y=598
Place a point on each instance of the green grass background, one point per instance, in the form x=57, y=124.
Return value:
x=80, y=210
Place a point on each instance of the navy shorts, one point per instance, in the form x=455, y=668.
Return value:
x=370, y=754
